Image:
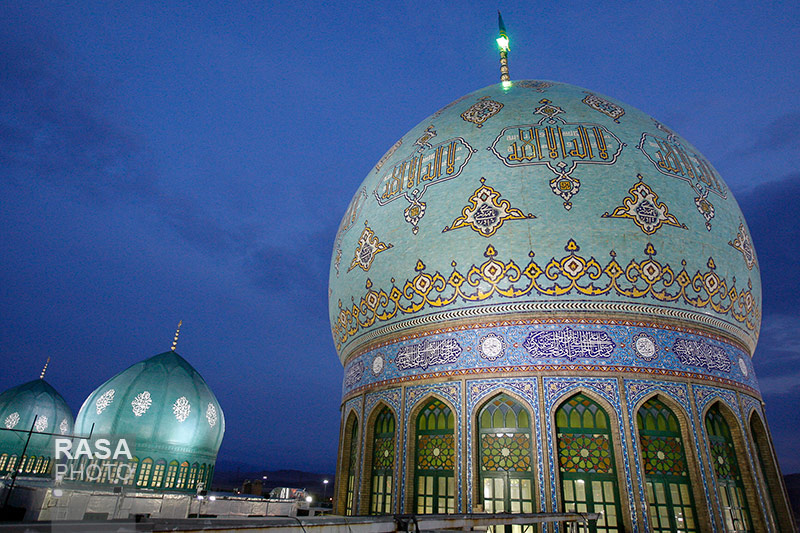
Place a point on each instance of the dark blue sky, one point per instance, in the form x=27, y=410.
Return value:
x=191, y=160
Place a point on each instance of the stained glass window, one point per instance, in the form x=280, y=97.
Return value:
x=351, y=470
x=435, y=459
x=201, y=476
x=158, y=474
x=586, y=463
x=171, y=472
x=505, y=456
x=3, y=461
x=735, y=511
x=669, y=494
x=382, y=463
x=184, y=470
x=192, y=477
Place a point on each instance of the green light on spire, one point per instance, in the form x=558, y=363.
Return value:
x=502, y=41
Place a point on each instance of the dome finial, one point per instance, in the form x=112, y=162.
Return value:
x=41, y=376
x=177, y=332
x=502, y=42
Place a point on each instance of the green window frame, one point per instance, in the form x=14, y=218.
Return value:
x=382, y=463
x=144, y=472
x=172, y=471
x=158, y=474
x=506, y=456
x=183, y=471
x=668, y=485
x=434, y=466
x=586, y=462
x=730, y=487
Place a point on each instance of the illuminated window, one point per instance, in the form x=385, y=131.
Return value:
x=735, y=510
x=3, y=461
x=435, y=460
x=22, y=463
x=144, y=472
x=201, y=477
x=38, y=468
x=171, y=472
x=184, y=470
x=45, y=466
x=586, y=463
x=669, y=492
x=382, y=463
x=130, y=474
x=192, y=476
x=158, y=474
x=351, y=470
x=505, y=457
x=12, y=462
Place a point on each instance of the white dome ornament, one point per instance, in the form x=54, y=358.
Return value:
x=141, y=403
x=181, y=408
x=211, y=415
x=105, y=400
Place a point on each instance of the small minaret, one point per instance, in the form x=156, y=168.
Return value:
x=502, y=42
x=41, y=376
x=177, y=332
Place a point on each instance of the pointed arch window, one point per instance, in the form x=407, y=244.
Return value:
x=765, y=463
x=505, y=456
x=183, y=471
x=201, y=476
x=586, y=462
x=3, y=461
x=669, y=491
x=382, y=463
x=351, y=470
x=144, y=472
x=158, y=474
x=172, y=471
x=435, y=459
x=192, y=477
x=735, y=511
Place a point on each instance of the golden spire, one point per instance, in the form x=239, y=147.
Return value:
x=177, y=332
x=41, y=376
x=503, y=43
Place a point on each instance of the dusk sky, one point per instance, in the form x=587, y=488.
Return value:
x=166, y=161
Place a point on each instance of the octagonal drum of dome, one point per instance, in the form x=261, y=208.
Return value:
x=542, y=224
x=164, y=406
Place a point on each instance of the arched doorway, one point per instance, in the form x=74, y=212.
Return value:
x=382, y=463
x=505, y=451
x=434, y=466
x=732, y=500
x=352, y=456
x=586, y=462
x=669, y=491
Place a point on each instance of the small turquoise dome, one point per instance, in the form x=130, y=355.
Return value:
x=165, y=408
x=18, y=408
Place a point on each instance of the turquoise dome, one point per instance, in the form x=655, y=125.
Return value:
x=18, y=407
x=163, y=405
x=540, y=199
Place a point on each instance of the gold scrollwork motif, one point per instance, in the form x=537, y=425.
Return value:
x=571, y=274
x=486, y=212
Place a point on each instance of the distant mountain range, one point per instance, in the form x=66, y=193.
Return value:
x=230, y=475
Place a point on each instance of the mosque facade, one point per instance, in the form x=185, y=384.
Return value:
x=545, y=300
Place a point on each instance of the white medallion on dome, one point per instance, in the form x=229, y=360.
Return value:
x=604, y=106
x=378, y=362
x=428, y=166
x=643, y=207
x=211, y=415
x=41, y=423
x=481, y=111
x=104, y=400
x=743, y=243
x=491, y=346
x=63, y=427
x=559, y=145
x=645, y=347
x=141, y=403
x=367, y=248
x=12, y=420
x=181, y=408
x=486, y=212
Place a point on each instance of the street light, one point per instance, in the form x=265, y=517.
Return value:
x=325, y=492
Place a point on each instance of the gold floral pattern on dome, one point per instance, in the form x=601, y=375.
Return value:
x=743, y=243
x=367, y=248
x=571, y=274
x=486, y=212
x=643, y=207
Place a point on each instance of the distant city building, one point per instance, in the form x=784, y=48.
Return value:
x=545, y=300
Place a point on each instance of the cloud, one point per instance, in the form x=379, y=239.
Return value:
x=52, y=127
x=771, y=214
x=781, y=133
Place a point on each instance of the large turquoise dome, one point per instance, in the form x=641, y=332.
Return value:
x=166, y=407
x=542, y=199
x=19, y=406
